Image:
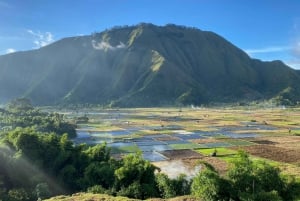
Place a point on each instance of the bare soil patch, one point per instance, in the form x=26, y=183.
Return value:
x=220, y=165
x=287, y=142
x=273, y=152
x=181, y=154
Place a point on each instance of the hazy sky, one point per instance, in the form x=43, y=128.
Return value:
x=266, y=29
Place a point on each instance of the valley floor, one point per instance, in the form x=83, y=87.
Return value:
x=179, y=137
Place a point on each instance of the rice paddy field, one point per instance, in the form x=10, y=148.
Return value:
x=187, y=135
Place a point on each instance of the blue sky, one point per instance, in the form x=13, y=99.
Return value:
x=265, y=29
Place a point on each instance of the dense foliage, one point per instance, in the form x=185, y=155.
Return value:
x=20, y=113
x=37, y=161
x=35, y=164
x=245, y=181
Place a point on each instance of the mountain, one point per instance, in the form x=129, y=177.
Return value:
x=144, y=65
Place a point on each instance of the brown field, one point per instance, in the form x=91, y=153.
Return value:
x=274, y=153
x=282, y=149
x=181, y=154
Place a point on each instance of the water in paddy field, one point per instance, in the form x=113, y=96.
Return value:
x=82, y=134
x=241, y=135
x=147, y=148
x=122, y=141
x=189, y=136
x=120, y=144
x=146, y=144
x=153, y=156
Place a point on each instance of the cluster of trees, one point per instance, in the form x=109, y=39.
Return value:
x=245, y=181
x=288, y=97
x=38, y=161
x=21, y=113
x=39, y=165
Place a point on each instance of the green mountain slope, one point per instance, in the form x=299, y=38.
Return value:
x=143, y=65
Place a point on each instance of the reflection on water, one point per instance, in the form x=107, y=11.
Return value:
x=153, y=156
x=145, y=148
x=124, y=141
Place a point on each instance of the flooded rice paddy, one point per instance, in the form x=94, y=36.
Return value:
x=153, y=131
x=167, y=136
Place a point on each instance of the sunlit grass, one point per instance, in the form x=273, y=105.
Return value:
x=220, y=151
x=295, y=132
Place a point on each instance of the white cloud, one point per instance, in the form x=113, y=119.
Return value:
x=290, y=54
x=294, y=64
x=10, y=50
x=106, y=46
x=41, y=39
x=268, y=49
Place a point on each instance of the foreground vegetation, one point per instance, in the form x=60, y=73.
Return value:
x=39, y=165
x=21, y=114
x=39, y=161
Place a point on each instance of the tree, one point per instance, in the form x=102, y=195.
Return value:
x=258, y=181
x=67, y=176
x=133, y=190
x=169, y=188
x=98, y=153
x=245, y=181
x=42, y=191
x=19, y=194
x=99, y=173
x=135, y=172
x=241, y=174
x=165, y=187
x=20, y=105
x=209, y=185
